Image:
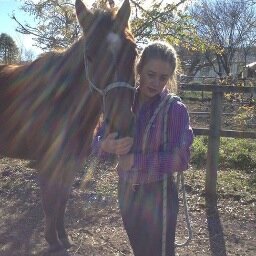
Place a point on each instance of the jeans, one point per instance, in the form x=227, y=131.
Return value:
x=141, y=208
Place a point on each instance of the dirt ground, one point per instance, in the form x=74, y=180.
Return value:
x=94, y=222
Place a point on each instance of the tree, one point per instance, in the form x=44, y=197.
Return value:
x=9, y=51
x=56, y=24
x=26, y=55
x=192, y=61
x=226, y=26
x=163, y=20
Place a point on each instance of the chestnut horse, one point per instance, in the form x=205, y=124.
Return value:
x=50, y=107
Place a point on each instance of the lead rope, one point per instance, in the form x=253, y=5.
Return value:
x=180, y=181
x=180, y=177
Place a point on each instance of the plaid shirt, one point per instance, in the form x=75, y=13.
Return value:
x=158, y=159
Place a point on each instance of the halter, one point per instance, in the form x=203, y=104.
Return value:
x=108, y=88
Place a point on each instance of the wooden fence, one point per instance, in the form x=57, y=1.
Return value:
x=215, y=131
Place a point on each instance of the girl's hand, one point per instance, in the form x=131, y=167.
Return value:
x=125, y=162
x=116, y=146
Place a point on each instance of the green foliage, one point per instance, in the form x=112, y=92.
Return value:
x=165, y=21
x=234, y=153
x=231, y=183
x=199, y=152
x=245, y=114
x=238, y=154
x=55, y=25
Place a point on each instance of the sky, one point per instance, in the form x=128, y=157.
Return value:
x=8, y=26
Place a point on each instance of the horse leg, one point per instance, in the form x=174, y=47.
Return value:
x=49, y=196
x=62, y=234
x=67, y=180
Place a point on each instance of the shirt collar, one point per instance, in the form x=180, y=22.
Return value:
x=154, y=100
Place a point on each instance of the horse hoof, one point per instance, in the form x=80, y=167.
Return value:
x=55, y=248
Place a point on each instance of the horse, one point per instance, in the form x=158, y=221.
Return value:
x=50, y=107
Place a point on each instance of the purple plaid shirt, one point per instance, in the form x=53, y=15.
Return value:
x=158, y=159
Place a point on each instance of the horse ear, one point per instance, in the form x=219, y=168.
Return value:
x=123, y=15
x=84, y=15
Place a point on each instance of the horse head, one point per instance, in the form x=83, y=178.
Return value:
x=109, y=57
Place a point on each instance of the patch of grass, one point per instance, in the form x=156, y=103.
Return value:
x=238, y=154
x=237, y=157
x=236, y=183
x=199, y=152
x=230, y=183
x=234, y=153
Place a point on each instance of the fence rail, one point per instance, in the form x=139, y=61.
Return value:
x=226, y=133
x=217, y=88
x=215, y=131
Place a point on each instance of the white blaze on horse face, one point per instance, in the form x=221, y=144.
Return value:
x=114, y=42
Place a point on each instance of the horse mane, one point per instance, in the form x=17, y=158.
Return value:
x=54, y=55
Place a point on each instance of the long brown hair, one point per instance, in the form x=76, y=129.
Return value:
x=165, y=52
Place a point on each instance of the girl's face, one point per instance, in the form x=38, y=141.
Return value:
x=154, y=77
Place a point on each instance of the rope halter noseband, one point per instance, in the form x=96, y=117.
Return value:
x=108, y=88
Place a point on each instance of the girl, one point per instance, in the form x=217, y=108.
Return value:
x=158, y=149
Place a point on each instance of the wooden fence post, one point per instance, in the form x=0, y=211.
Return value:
x=215, y=131
x=213, y=144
